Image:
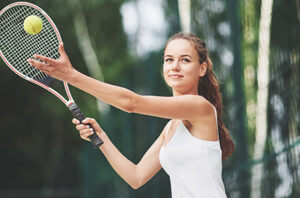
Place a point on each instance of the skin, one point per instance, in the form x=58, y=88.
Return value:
x=181, y=70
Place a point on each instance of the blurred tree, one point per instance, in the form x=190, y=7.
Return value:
x=262, y=93
x=283, y=103
x=240, y=128
x=41, y=157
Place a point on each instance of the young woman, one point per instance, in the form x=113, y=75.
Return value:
x=193, y=143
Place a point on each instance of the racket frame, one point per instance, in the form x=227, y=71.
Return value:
x=96, y=141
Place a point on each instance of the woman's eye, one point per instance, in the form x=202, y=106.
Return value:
x=185, y=60
x=168, y=60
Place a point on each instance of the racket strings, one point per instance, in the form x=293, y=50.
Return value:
x=28, y=71
x=17, y=46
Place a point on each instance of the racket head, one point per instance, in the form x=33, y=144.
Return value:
x=17, y=46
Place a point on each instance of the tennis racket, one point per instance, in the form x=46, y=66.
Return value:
x=17, y=46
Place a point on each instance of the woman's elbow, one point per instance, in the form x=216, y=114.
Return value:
x=137, y=181
x=130, y=103
x=128, y=108
x=136, y=185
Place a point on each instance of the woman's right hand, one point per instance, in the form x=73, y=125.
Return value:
x=60, y=68
x=85, y=130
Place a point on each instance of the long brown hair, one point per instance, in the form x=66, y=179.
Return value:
x=208, y=87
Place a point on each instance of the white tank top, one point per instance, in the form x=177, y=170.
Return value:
x=193, y=165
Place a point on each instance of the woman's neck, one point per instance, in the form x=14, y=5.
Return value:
x=178, y=93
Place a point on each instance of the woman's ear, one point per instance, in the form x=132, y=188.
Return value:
x=203, y=69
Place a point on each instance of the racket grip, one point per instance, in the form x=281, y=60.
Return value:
x=96, y=141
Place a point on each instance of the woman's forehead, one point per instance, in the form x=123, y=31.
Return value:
x=179, y=47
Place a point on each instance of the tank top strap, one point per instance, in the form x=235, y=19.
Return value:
x=168, y=127
x=216, y=114
x=166, y=133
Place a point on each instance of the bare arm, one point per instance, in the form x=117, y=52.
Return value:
x=134, y=174
x=186, y=107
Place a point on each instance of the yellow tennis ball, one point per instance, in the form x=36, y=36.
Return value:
x=33, y=24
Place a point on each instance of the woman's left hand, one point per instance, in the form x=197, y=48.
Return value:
x=84, y=129
x=60, y=69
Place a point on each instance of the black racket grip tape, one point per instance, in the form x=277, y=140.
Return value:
x=96, y=141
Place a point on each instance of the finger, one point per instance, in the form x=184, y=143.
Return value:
x=92, y=122
x=75, y=121
x=61, y=49
x=39, y=65
x=81, y=127
x=84, y=138
x=84, y=134
x=48, y=60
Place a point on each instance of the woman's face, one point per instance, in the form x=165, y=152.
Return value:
x=182, y=69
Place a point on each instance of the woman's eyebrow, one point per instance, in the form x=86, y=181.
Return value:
x=167, y=55
x=186, y=55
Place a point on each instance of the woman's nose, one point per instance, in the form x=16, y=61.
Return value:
x=176, y=66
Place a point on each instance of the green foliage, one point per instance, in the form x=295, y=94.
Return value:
x=40, y=148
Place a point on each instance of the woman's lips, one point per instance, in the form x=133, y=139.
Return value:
x=175, y=76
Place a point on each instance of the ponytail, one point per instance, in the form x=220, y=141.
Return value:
x=208, y=87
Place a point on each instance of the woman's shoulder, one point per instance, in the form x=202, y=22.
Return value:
x=201, y=99
x=206, y=106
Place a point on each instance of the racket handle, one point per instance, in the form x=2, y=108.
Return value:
x=96, y=141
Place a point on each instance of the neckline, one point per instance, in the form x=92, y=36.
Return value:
x=181, y=124
x=196, y=138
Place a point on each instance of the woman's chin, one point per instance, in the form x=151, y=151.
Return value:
x=177, y=88
x=175, y=85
